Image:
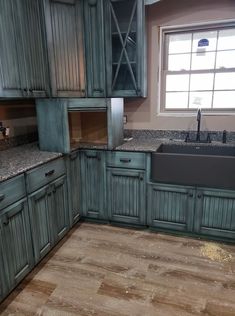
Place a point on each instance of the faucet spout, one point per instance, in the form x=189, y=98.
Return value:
x=199, y=116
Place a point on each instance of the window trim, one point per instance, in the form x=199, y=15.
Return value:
x=163, y=50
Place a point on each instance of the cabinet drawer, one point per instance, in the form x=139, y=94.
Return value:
x=12, y=190
x=40, y=176
x=126, y=160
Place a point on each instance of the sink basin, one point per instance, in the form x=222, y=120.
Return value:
x=209, y=166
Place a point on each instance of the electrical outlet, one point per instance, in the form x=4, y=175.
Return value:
x=124, y=119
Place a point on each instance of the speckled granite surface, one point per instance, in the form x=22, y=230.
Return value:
x=151, y=144
x=19, y=159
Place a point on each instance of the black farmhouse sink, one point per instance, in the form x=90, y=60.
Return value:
x=206, y=165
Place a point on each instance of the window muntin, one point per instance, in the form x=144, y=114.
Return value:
x=198, y=76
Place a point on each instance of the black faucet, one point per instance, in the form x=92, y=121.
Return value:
x=199, y=116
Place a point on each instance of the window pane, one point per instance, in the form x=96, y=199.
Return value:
x=180, y=43
x=203, y=61
x=226, y=39
x=177, y=82
x=225, y=59
x=211, y=36
x=225, y=81
x=176, y=100
x=179, y=62
x=201, y=82
x=224, y=99
x=200, y=99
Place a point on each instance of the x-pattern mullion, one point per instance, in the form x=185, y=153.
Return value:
x=124, y=43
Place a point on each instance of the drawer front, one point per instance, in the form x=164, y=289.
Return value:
x=122, y=159
x=44, y=174
x=12, y=190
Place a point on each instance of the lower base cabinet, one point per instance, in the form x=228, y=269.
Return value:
x=203, y=211
x=49, y=216
x=215, y=213
x=126, y=195
x=170, y=207
x=92, y=164
x=16, y=243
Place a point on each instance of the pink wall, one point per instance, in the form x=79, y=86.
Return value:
x=142, y=113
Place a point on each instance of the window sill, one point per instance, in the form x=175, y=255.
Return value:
x=192, y=114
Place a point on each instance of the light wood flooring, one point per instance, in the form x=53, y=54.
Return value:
x=104, y=270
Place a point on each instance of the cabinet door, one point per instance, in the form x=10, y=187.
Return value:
x=10, y=51
x=171, y=207
x=93, y=184
x=215, y=213
x=60, y=208
x=41, y=222
x=125, y=47
x=126, y=195
x=4, y=273
x=65, y=44
x=74, y=186
x=94, y=47
x=32, y=26
x=17, y=241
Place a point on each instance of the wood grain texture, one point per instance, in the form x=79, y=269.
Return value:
x=110, y=271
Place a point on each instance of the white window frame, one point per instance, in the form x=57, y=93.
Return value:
x=203, y=26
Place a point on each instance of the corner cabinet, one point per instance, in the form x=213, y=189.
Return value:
x=23, y=51
x=125, y=47
x=93, y=173
x=64, y=27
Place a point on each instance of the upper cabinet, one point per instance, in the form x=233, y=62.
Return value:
x=23, y=53
x=125, y=47
x=72, y=48
x=65, y=45
x=94, y=48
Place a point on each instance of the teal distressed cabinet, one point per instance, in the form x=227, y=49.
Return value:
x=17, y=243
x=93, y=184
x=126, y=187
x=48, y=206
x=170, y=207
x=65, y=45
x=215, y=213
x=23, y=51
x=4, y=273
x=94, y=48
x=125, y=47
x=74, y=185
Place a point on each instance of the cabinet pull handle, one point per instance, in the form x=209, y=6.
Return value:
x=199, y=196
x=190, y=194
x=2, y=197
x=95, y=156
x=49, y=173
x=6, y=221
x=141, y=178
x=73, y=156
x=125, y=160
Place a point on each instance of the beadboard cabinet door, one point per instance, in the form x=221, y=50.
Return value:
x=23, y=51
x=126, y=195
x=94, y=47
x=65, y=44
x=4, y=273
x=215, y=213
x=32, y=26
x=41, y=214
x=171, y=207
x=17, y=242
x=10, y=51
x=125, y=48
x=74, y=186
x=60, y=221
x=93, y=184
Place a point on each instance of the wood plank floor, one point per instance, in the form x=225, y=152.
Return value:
x=103, y=270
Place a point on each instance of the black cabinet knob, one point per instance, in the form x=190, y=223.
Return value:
x=190, y=195
x=199, y=196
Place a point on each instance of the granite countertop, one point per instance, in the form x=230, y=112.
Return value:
x=152, y=144
x=19, y=159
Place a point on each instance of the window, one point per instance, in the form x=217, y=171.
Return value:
x=198, y=68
